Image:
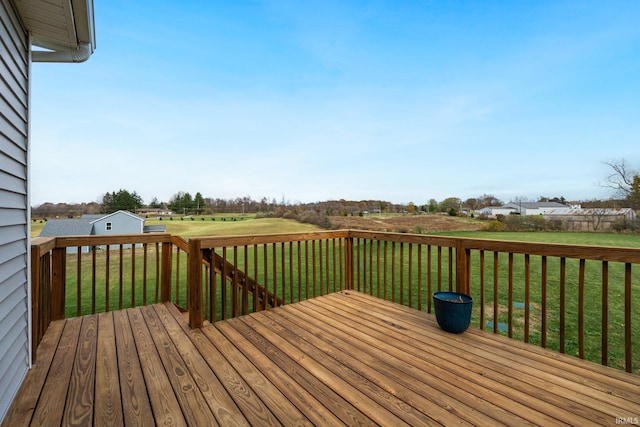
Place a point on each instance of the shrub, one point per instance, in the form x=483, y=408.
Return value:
x=291, y=214
x=624, y=225
x=313, y=217
x=554, y=225
x=494, y=225
x=524, y=223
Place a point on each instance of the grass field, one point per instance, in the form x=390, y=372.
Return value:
x=218, y=225
x=595, y=239
x=231, y=225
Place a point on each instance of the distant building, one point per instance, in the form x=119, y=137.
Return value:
x=537, y=208
x=525, y=208
x=120, y=222
x=574, y=217
x=494, y=211
x=591, y=219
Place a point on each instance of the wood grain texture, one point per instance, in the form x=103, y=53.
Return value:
x=346, y=358
x=136, y=407
x=108, y=407
x=79, y=408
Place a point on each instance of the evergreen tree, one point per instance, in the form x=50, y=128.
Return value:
x=121, y=200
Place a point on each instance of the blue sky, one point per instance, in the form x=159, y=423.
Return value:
x=402, y=101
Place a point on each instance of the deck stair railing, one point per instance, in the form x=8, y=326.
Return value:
x=255, y=273
x=242, y=282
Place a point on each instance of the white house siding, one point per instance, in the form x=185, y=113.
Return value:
x=14, y=204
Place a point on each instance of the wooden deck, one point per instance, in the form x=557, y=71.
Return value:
x=340, y=359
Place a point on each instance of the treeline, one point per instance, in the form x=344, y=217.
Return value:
x=65, y=210
x=183, y=203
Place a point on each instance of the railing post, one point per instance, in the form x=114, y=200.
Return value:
x=58, y=281
x=463, y=267
x=36, y=312
x=348, y=249
x=167, y=262
x=194, y=283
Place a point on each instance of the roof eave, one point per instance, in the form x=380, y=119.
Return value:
x=65, y=27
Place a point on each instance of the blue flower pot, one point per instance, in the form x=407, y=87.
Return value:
x=453, y=311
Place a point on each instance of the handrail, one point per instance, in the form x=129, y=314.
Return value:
x=571, y=298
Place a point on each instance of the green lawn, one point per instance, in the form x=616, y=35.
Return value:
x=217, y=225
x=230, y=225
x=596, y=239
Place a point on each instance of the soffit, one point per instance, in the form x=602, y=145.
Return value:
x=58, y=24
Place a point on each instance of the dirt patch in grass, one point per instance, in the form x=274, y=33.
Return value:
x=518, y=317
x=406, y=223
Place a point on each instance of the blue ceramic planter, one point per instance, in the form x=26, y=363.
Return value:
x=453, y=311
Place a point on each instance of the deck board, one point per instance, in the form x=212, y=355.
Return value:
x=342, y=359
x=203, y=370
x=79, y=406
x=51, y=402
x=136, y=407
x=164, y=403
x=108, y=406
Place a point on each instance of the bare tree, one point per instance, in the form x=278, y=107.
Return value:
x=595, y=217
x=622, y=178
x=488, y=200
x=624, y=181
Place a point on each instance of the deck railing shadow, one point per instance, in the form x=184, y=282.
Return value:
x=580, y=300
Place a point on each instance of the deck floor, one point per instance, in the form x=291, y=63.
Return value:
x=341, y=359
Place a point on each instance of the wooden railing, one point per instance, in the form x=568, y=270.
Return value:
x=581, y=300
x=251, y=273
x=74, y=276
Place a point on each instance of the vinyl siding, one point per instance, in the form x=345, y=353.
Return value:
x=120, y=224
x=14, y=205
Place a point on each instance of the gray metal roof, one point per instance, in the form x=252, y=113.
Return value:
x=67, y=227
x=83, y=226
x=155, y=229
x=536, y=205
